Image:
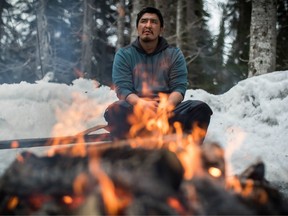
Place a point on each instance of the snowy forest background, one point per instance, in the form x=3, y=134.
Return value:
x=78, y=38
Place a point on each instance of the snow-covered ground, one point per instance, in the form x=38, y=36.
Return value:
x=250, y=121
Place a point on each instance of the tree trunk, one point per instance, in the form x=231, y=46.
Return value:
x=165, y=7
x=3, y=5
x=194, y=25
x=282, y=45
x=137, y=6
x=238, y=59
x=196, y=41
x=180, y=23
x=86, y=56
x=120, y=24
x=262, y=54
x=44, y=53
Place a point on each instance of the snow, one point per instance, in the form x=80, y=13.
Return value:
x=250, y=121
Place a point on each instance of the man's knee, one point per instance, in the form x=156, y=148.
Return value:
x=116, y=116
x=198, y=109
x=117, y=110
x=205, y=110
x=203, y=117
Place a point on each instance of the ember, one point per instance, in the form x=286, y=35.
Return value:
x=117, y=179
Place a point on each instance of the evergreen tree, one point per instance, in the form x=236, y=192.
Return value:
x=239, y=16
x=282, y=35
x=262, y=52
x=17, y=41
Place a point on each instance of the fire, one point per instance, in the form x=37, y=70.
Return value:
x=235, y=140
x=37, y=200
x=247, y=189
x=14, y=144
x=79, y=184
x=108, y=193
x=67, y=200
x=160, y=122
x=185, y=146
x=116, y=199
x=71, y=121
x=175, y=204
x=13, y=202
x=215, y=172
x=73, y=202
x=113, y=198
x=156, y=124
x=20, y=158
x=189, y=157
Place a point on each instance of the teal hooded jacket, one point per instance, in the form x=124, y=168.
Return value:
x=147, y=75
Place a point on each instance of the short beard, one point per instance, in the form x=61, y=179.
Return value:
x=147, y=39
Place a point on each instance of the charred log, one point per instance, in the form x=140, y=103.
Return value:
x=145, y=205
x=210, y=198
x=40, y=184
x=142, y=170
x=263, y=198
x=144, y=182
x=213, y=157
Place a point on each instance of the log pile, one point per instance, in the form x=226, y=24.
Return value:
x=134, y=181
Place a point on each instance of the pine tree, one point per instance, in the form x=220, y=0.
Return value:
x=262, y=53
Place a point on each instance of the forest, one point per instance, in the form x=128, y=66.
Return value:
x=67, y=39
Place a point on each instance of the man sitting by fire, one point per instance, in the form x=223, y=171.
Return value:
x=146, y=71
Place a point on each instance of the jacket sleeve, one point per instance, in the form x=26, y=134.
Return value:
x=122, y=75
x=178, y=73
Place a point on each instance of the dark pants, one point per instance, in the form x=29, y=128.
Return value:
x=188, y=113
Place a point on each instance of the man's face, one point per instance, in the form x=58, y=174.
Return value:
x=149, y=27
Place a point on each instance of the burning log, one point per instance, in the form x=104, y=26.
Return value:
x=257, y=193
x=124, y=180
x=143, y=170
x=43, y=185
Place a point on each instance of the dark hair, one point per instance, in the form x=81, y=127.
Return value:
x=150, y=10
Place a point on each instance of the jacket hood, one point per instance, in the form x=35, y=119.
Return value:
x=162, y=44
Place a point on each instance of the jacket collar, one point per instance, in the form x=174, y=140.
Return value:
x=162, y=44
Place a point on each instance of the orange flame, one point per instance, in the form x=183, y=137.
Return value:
x=37, y=200
x=20, y=158
x=15, y=144
x=79, y=183
x=13, y=202
x=175, y=204
x=155, y=124
x=189, y=157
x=235, y=140
x=114, y=200
x=158, y=127
x=247, y=189
x=67, y=200
x=185, y=146
x=215, y=172
x=73, y=120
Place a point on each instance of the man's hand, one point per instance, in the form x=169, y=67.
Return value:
x=152, y=113
x=150, y=107
x=144, y=106
x=173, y=100
x=148, y=104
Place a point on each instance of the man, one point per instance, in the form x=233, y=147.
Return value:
x=149, y=67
